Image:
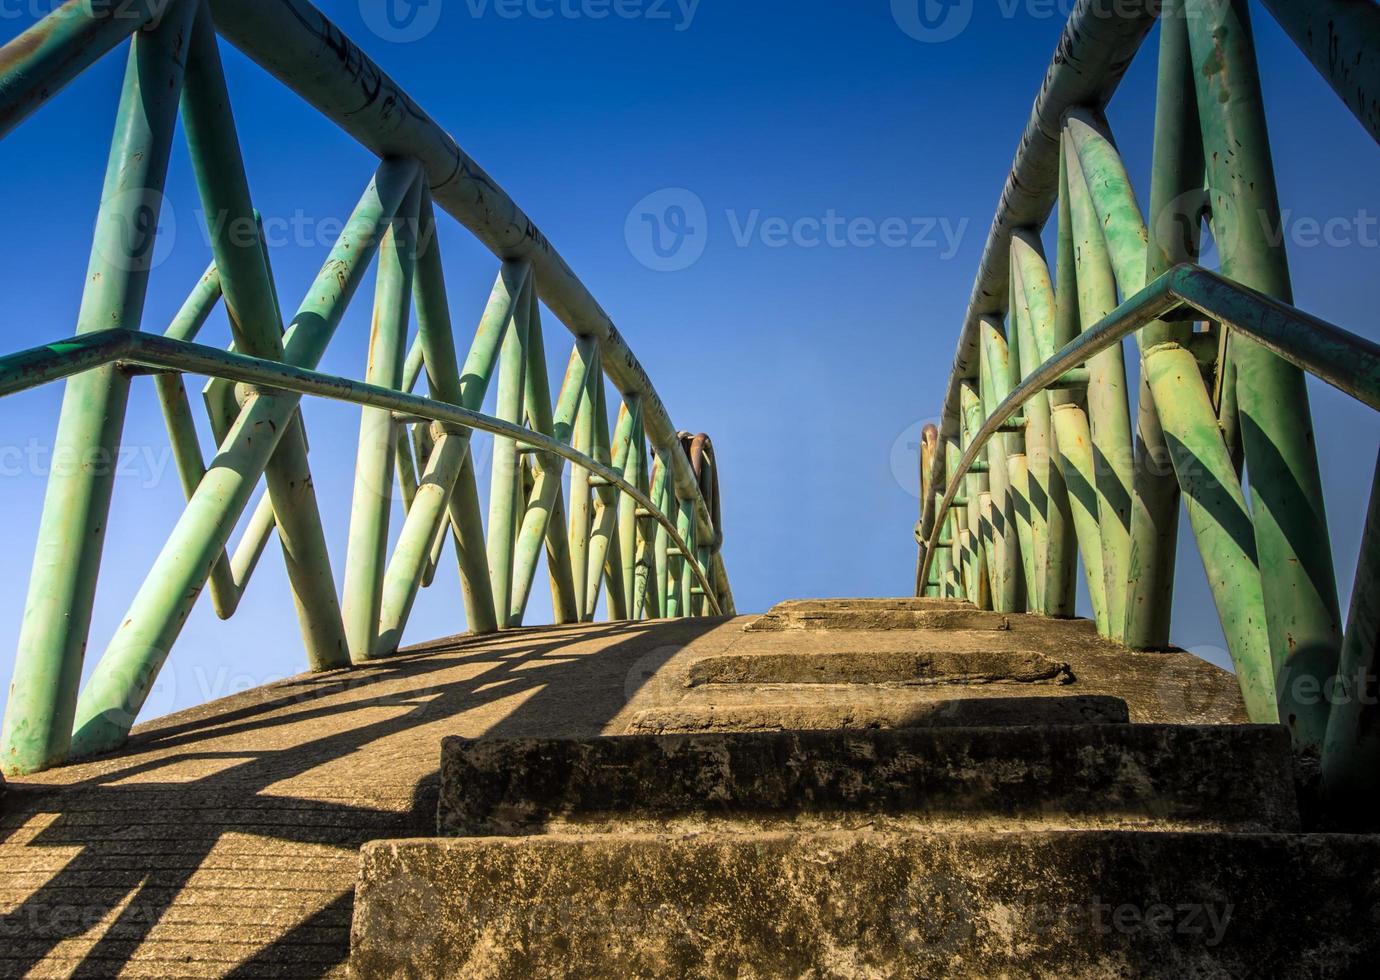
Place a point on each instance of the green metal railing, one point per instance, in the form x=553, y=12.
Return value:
x=1014, y=504
x=649, y=534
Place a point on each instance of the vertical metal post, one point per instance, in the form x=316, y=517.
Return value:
x=627, y=507
x=1041, y=323
x=71, y=533
x=543, y=512
x=1295, y=552
x=373, y=494
x=580, y=504
x=505, y=487
x=1204, y=467
x=257, y=323
x=1006, y=576
x=122, y=679
x=1109, y=413
x=447, y=460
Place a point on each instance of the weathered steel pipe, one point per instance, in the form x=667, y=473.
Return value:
x=1347, y=361
x=71, y=531
x=1172, y=237
x=122, y=679
x=1094, y=51
x=299, y=45
x=40, y=63
x=1297, y=574
x=256, y=321
x=1342, y=39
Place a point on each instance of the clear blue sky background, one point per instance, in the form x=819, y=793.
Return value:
x=812, y=367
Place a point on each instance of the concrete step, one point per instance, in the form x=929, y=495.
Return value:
x=867, y=904
x=940, y=667
x=1226, y=778
x=906, y=614
x=776, y=708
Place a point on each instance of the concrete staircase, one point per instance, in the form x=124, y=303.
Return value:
x=943, y=806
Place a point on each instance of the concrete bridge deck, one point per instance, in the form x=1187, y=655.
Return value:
x=224, y=840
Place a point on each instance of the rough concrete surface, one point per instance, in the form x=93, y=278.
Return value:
x=224, y=840
x=1079, y=904
x=1237, y=778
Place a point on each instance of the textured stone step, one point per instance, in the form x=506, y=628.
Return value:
x=882, y=667
x=1118, y=775
x=819, y=904
x=879, y=618
x=753, y=708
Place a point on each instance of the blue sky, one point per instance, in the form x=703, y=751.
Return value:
x=847, y=173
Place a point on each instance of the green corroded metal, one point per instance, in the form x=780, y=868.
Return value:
x=1109, y=414
x=1269, y=565
x=372, y=503
x=640, y=517
x=71, y=533
x=1172, y=237
x=1295, y=551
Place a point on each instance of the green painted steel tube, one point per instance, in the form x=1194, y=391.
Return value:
x=604, y=548
x=627, y=510
x=1177, y=170
x=182, y=434
x=256, y=321
x=300, y=46
x=1214, y=499
x=28, y=369
x=372, y=503
x=40, y=63
x=1033, y=501
x=1053, y=509
x=426, y=520
x=122, y=679
x=1297, y=575
x=978, y=484
x=71, y=533
x=471, y=551
x=661, y=542
x=1342, y=39
x=541, y=512
x=1005, y=558
x=505, y=484
x=1092, y=55
x=1351, y=754
x=1109, y=412
x=1073, y=434
x=581, y=507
